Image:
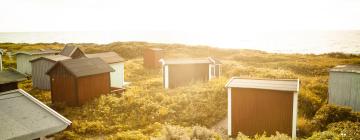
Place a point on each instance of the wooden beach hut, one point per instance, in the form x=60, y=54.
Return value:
x=152, y=57
x=344, y=86
x=180, y=72
x=9, y=79
x=72, y=51
x=76, y=81
x=23, y=58
x=262, y=105
x=39, y=68
x=117, y=63
x=25, y=118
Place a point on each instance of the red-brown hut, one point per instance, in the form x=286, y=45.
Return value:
x=256, y=106
x=152, y=57
x=76, y=81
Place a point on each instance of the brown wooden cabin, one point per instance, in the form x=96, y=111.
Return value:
x=181, y=72
x=72, y=51
x=152, y=57
x=9, y=79
x=262, y=105
x=76, y=81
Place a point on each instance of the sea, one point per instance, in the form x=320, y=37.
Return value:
x=303, y=42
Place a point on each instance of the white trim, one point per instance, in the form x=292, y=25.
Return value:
x=166, y=76
x=210, y=72
x=229, y=112
x=1, y=66
x=295, y=110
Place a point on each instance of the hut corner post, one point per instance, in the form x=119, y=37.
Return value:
x=166, y=76
x=229, y=112
x=295, y=110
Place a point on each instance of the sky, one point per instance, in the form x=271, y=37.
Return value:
x=225, y=16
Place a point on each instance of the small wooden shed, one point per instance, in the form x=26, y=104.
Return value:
x=76, y=81
x=72, y=51
x=23, y=58
x=117, y=63
x=180, y=72
x=344, y=86
x=39, y=68
x=152, y=57
x=9, y=79
x=262, y=105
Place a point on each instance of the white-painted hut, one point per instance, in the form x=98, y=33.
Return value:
x=117, y=63
x=39, y=68
x=23, y=58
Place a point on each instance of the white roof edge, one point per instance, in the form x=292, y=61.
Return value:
x=212, y=60
x=39, y=103
x=297, y=80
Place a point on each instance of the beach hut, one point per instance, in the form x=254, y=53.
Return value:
x=262, y=105
x=72, y=51
x=22, y=117
x=9, y=79
x=1, y=54
x=152, y=57
x=23, y=58
x=39, y=68
x=76, y=81
x=117, y=63
x=180, y=72
x=344, y=86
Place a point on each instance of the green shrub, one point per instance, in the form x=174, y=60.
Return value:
x=326, y=135
x=346, y=130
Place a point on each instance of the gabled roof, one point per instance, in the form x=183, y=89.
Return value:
x=69, y=50
x=53, y=58
x=24, y=117
x=155, y=49
x=208, y=60
x=346, y=68
x=270, y=84
x=84, y=66
x=108, y=57
x=11, y=76
x=37, y=52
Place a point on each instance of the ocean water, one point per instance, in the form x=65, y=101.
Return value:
x=315, y=42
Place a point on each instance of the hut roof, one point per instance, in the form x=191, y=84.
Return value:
x=346, y=68
x=24, y=117
x=68, y=50
x=208, y=60
x=11, y=76
x=84, y=66
x=108, y=57
x=155, y=49
x=37, y=52
x=53, y=58
x=270, y=84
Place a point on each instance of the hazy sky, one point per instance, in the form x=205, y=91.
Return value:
x=179, y=15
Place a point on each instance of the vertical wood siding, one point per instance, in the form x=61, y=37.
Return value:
x=344, y=89
x=93, y=86
x=23, y=64
x=184, y=74
x=39, y=77
x=151, y=58
x=255, y=111
x=63, y=86
x=117, y=77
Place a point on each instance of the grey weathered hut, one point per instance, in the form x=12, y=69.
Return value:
x=76, y=81
x=72, y=51
x=22, y=117
x=23, y=58
x=9, y=79
x=344, y=86
x=39, y=68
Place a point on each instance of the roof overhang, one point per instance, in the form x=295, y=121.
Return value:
x=269, y=84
